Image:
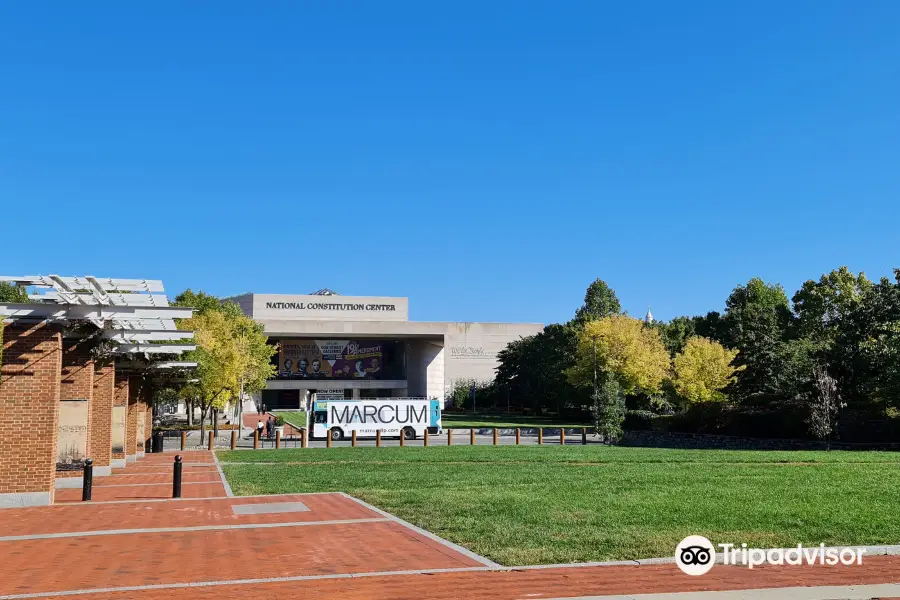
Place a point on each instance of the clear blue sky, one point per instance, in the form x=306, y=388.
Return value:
x=487, y=159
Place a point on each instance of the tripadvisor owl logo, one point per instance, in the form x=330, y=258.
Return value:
x=695, y=555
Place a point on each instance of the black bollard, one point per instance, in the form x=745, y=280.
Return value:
x=87, y=484
x=176, y=478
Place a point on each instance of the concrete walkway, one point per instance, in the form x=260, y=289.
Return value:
x=135, y=542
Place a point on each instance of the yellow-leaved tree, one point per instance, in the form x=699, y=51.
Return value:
x=634, y=354
x=703, y=369
x=232, y=355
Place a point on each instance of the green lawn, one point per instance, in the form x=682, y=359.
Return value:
x=543, y=505
x=297, y=418
x=463, y=421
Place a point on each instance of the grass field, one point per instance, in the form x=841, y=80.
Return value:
x=543, y=505
x=297, y=418
x=462, y=421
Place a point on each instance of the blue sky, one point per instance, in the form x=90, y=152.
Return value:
x=486, y=159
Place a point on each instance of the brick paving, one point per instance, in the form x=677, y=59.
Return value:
x=170, y=545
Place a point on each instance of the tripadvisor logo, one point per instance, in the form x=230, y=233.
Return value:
x=696, y=555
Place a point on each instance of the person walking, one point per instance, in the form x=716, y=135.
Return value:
x=259, y=428
x=268, y=427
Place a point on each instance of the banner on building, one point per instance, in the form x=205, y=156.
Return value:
x=331, y=359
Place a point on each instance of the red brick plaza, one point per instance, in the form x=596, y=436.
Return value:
x=133, y=541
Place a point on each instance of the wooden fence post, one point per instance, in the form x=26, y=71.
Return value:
x=472, y=437
x=328, y=438
x=277, y=439
x=209, y=445
x=540, y=436
x=378, y=438
x=303, y=438
x=495, y=436
x=426, y=437
x=584, y=436
x=562, y=436
x=518, y=436
x=233, y=439
x=255, y=439
x=449, y=437
x=353, y=438
x=183, y=439
x=402, y=439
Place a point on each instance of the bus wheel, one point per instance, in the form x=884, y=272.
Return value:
x=409, y=433
x=336, y=434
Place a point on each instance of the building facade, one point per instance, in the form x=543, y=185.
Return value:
x=366, y=347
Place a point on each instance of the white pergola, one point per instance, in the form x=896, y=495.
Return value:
x=131, y=312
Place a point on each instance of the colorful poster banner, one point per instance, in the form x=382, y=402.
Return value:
x=330, y=359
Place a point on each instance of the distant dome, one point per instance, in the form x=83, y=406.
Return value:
x=648, y=318
x=324, y=292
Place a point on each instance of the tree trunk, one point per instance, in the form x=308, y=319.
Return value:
x=203, y=410
x=189, y=405
x=215, y=422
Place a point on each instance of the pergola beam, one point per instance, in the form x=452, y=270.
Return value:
x=153, y=348
x=81, y=311
x=146, y=335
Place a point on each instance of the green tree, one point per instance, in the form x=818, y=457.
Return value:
x=600, y=301
x=532, y=370
x=757, y=322
x=821, y=306
x=13, y=294
x=703, y=369
x=608, y=408
x=675, y=333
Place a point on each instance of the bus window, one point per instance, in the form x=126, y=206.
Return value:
x=320, y=416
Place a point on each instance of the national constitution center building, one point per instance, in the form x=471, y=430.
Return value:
x=366, y=347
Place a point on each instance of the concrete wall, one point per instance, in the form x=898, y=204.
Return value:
x=306, y=307
x=471, y=348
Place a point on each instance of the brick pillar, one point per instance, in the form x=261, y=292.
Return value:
x=76, y=389
x=101, y=418
x=29, y=413
x=131, y=424
x=120, y=420
x=148, y=426
x=144, y=403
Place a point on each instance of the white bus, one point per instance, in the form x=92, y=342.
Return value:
x=409, y=417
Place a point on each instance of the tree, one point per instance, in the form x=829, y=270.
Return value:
x=703, y=369
x=232, y=354
x=626, y=349
x=824, y=406
x=600, y=301
x=532, y=370
x=821, y=306
x=13, y=294
x=757, y=322
x=608, y=408
x=675, y=333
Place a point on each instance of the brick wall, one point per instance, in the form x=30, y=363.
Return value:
x=148, y=423
x=101, y=414
x=29, y=408
x=122, y=393
x=131, y=420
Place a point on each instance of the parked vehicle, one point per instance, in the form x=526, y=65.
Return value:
x=409, y=417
